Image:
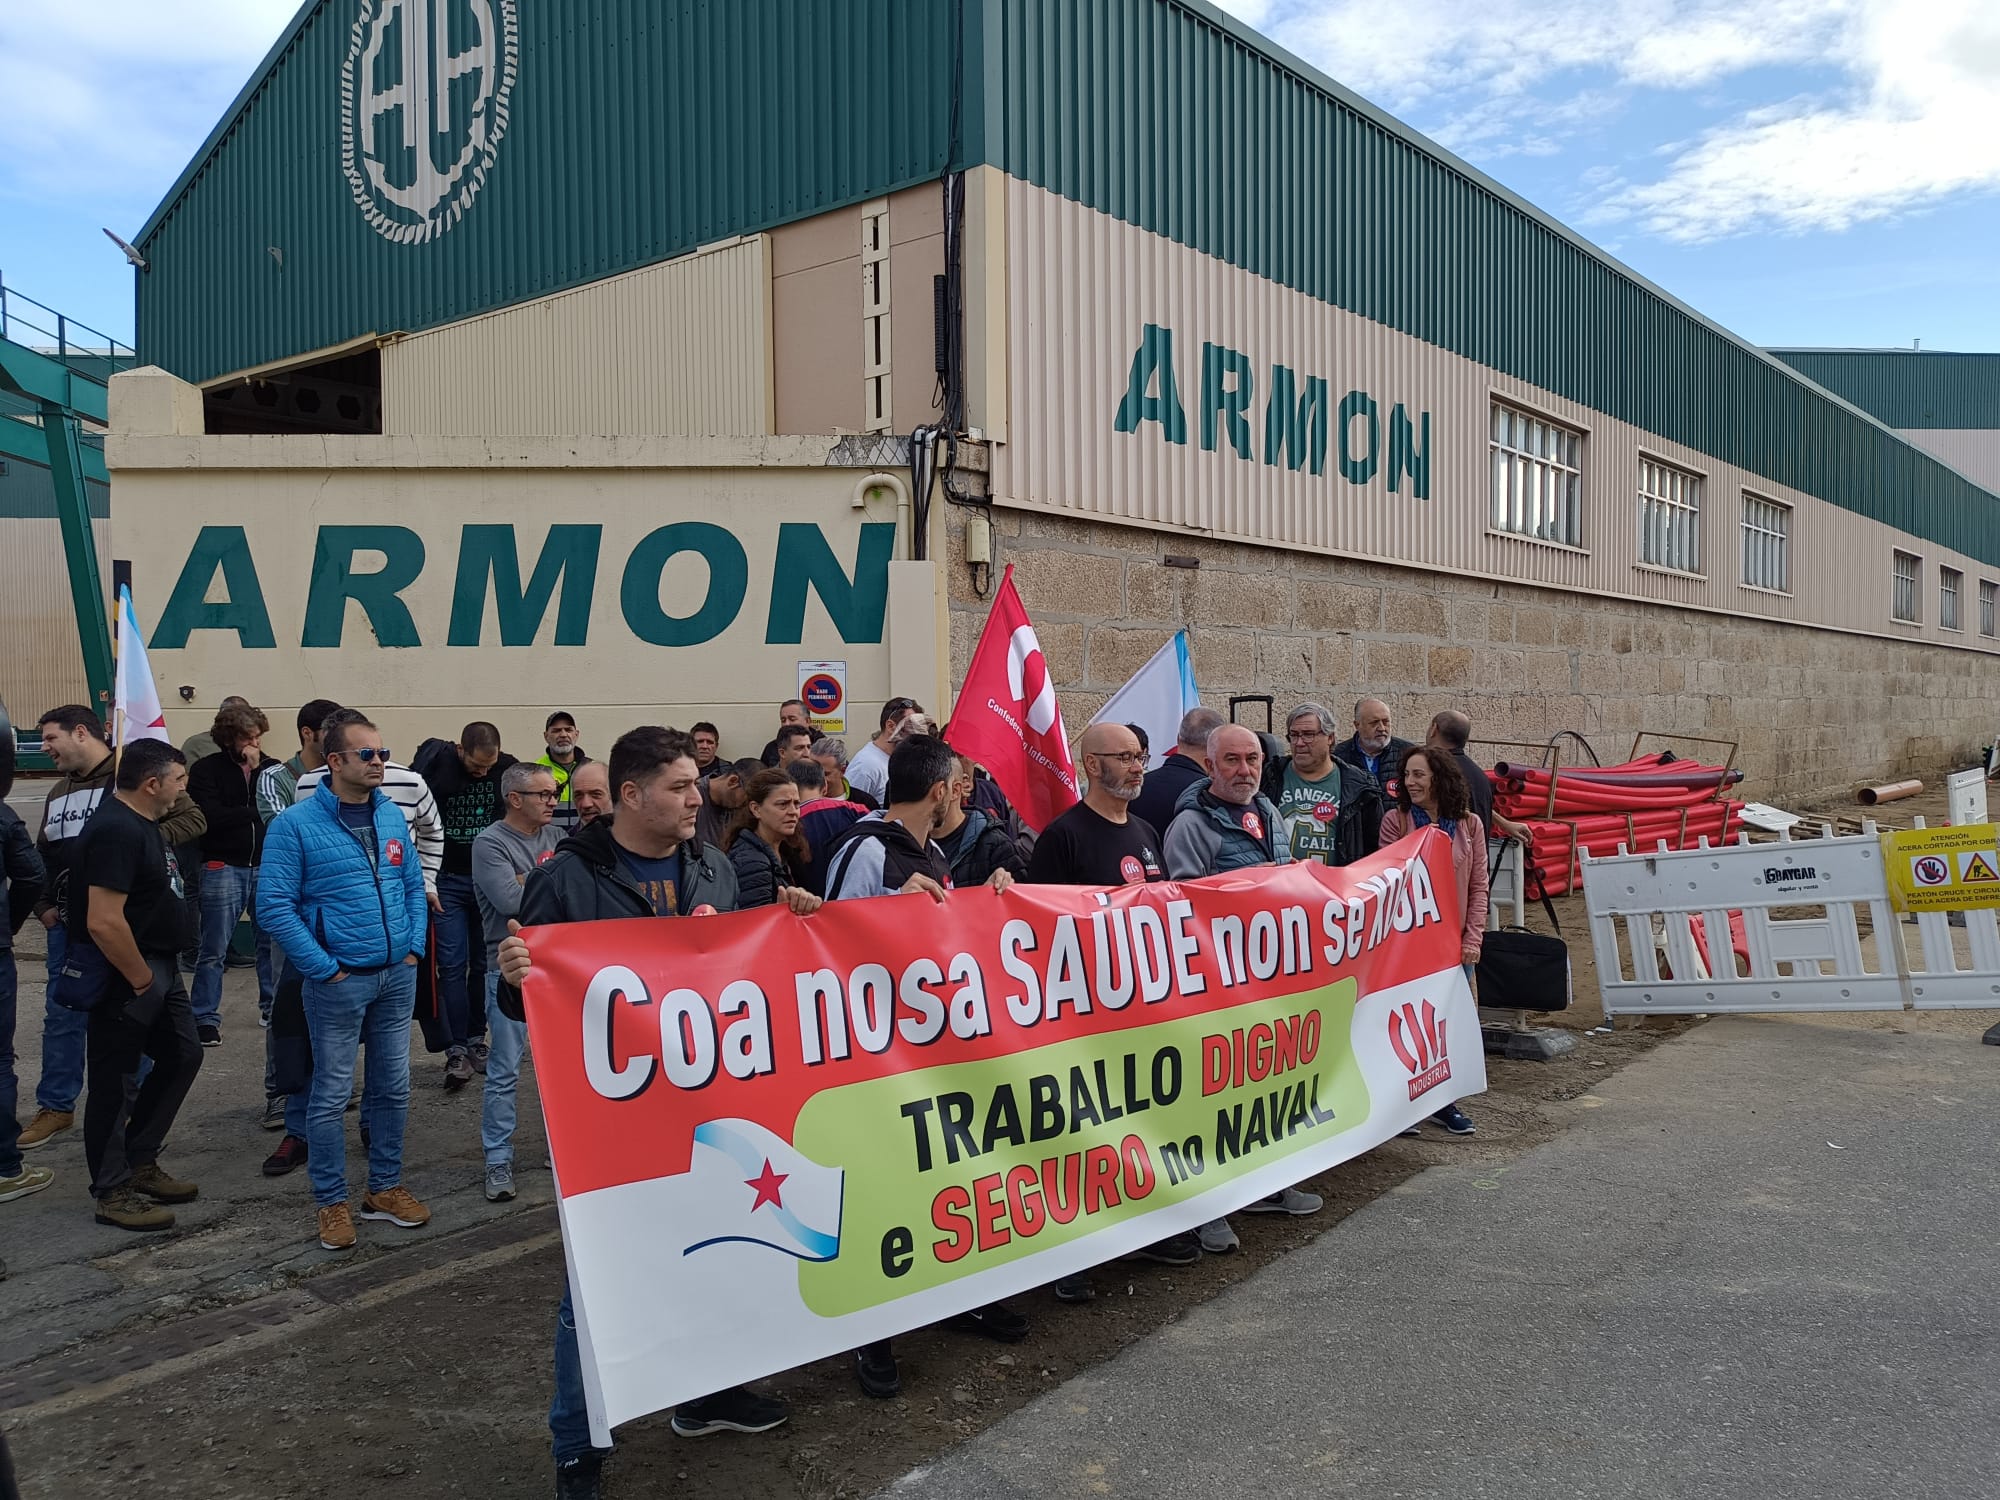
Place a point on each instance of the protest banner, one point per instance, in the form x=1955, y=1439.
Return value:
x=777, y=1138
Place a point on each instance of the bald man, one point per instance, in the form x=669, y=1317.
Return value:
x=590, y=791
x=1373, y=747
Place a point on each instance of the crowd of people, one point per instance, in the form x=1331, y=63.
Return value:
x=382, y=892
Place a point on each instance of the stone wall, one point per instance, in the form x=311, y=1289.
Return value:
x=1815, y=712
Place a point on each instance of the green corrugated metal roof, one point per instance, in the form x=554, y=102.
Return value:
x=1909, y=388
x=641, y=128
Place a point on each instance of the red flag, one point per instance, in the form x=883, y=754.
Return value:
x=1007, y=717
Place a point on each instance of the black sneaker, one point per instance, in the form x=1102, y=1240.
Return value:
x=457, y=1070
x=875, y=1368
x=210, y=1034
x=1075, y=1288
x=580, y=1478
x=1175, y=1250
x=734, y=1410
x=289, y=1157
x=996, y=1321
x=274, y=1113
x=1454, y=1119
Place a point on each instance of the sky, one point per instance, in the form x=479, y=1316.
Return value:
x=1804, y=172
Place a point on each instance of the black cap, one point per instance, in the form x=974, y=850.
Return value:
x=559, y=717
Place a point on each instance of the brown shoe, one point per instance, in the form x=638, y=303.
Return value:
x=161, y=1188
x=124, y=1209
x=46, y=1126
x=336, y=1227
x=398, y=1205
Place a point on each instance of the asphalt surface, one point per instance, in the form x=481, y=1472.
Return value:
x=1764, y=1267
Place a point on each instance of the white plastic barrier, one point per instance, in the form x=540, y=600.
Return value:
x=1644, y=910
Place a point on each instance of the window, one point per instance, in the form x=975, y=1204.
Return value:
x=1537, y=478
x=1669, y=517
x=1950, y=582
x=1988, y=590
x=1903, y=587
x=1767, y=544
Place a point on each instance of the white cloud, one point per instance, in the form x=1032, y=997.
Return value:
x=1908, y=113
x=112, y=97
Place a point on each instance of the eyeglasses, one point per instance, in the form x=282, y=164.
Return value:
x=1128, y=757
x=1295, y=735
x=548, y=796
x=366, y=753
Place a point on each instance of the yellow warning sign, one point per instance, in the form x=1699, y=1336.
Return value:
x=1975, y=867
x=1943, y=869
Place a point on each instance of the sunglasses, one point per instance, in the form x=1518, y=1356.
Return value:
x=366, y=754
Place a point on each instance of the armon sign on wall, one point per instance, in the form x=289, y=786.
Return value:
x=1273, y=414
x=682, y=584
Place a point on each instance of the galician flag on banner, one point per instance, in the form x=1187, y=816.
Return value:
x=137, y=699
x=1155, y=698
x=1007, y=717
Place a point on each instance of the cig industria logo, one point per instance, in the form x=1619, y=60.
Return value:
x=423, y=108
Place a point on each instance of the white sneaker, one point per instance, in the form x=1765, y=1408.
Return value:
x=1294, y=1201
x=1217, y=1238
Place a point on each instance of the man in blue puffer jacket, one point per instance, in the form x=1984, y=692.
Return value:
x=342, y=893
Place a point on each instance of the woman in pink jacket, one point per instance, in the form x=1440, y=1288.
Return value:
x=1432, y=791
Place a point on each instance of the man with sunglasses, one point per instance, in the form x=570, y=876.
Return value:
x=343, y=894
x=503, y=856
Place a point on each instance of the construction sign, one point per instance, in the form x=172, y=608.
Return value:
x=1943, y=869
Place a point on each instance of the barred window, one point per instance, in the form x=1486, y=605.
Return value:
x=1903, y=586
x=1669, y=517
x=1767, y=544
x=1988, y=590
x=1950, y=583
x=1537, y=477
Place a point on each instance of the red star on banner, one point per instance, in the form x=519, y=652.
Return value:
x=767, y=1183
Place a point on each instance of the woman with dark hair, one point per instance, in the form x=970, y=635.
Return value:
x=1431, y=791
x=763, y=840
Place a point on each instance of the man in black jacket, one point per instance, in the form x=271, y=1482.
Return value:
x=645, y=861
x=1372, y=747
x=1182, y=768
x=223, y=786
x=974, y=841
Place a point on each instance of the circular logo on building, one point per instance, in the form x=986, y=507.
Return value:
x=1132, y=870
x=822, y=694
x=423, y=107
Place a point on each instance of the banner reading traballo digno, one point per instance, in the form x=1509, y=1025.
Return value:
x=777, y=1138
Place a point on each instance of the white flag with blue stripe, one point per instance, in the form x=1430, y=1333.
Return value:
x=1156, y=697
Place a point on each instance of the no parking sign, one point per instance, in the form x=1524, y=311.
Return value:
x=823, y=689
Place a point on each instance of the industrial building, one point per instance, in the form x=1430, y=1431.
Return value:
x=631, y=356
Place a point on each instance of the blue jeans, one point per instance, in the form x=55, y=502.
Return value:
x=10, y=1081
x=343, y=1015
x=461, y=960
x=569, y=1415
x=507, y=1040
x=227, y=891
x=63, y=1032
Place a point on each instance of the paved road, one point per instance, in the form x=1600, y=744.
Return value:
x=71, y=1280
x=1692, y=1294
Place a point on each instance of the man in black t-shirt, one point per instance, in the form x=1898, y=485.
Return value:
x=127, y=919
x=1101, y=842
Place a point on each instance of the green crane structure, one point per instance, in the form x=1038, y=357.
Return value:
x=50, y=386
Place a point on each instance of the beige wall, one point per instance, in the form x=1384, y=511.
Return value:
x=1083, y=288
x=285, y=491
x=1815, y=711
x=816, y=315
x=43, y=662
x=678, y=349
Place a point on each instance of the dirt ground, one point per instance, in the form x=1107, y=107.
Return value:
x=439, y=1381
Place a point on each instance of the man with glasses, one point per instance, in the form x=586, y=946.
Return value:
x=1331, y=809
x=342, y=893
x=1101, y=841
x=870, y=768
x=502, y=857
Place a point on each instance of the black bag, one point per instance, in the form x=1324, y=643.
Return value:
x=429, y=1006
x=1523, y=970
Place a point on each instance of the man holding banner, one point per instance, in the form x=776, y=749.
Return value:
x=644, y=862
